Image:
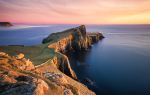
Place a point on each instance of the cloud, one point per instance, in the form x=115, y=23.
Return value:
x=70, y=11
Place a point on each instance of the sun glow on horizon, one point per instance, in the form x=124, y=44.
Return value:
x=75, y=11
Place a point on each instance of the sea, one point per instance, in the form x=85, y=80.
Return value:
x=119, y=64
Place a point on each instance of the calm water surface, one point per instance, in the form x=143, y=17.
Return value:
x=117, y=65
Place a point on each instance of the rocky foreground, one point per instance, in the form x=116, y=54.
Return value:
x=45, y=69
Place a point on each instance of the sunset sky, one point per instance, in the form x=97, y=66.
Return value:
x=75, y=11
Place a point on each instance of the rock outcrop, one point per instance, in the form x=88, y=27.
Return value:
x=18, y=62
x=5, y=24
x=13, y=80
x=44, y=80
x=95, y=37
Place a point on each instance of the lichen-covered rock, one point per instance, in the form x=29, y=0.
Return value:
x=17, y=81
x=18, y=62
x=41, y=88
x=58, y=78
x=67, y=92
x=20, y=56
x=3, y=54
x=22, y=85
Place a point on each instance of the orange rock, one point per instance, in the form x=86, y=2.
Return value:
x=20, y=56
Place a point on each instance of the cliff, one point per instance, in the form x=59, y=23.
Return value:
x=5, y=24
x=72, y=39
x=45, y=69
x=19, y=76
x=75, y=39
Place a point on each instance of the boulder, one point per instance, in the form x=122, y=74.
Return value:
x=20, y=56
x=58, y=78
x=68, y=92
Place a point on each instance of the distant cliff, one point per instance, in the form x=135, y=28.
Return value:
x=5, y=24
x=76, y=38
x=45, y=69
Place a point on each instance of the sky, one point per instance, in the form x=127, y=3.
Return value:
x=75, y=11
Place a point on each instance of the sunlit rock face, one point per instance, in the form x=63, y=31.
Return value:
x=17, y=81
x=18, y=61
x=13, y=80
x=72, y=39
x=62, y=45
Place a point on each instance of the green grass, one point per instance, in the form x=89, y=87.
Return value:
x=38, y=54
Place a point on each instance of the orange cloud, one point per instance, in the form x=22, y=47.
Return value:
x=76, y=11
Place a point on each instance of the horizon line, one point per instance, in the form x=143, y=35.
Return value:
x=17, y=23
x=76, y=23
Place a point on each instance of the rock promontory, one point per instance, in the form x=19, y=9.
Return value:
x=5, y=24
x=72, y=39
x=45, y=69
x=75, y=39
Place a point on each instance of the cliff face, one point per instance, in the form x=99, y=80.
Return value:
x=62, y=63
x=75, y=39
x=72, y=39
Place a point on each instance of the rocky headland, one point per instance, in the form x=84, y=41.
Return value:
x=45, y=69
x=5, y=24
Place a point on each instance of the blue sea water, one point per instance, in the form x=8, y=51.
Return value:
x=117, y=65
